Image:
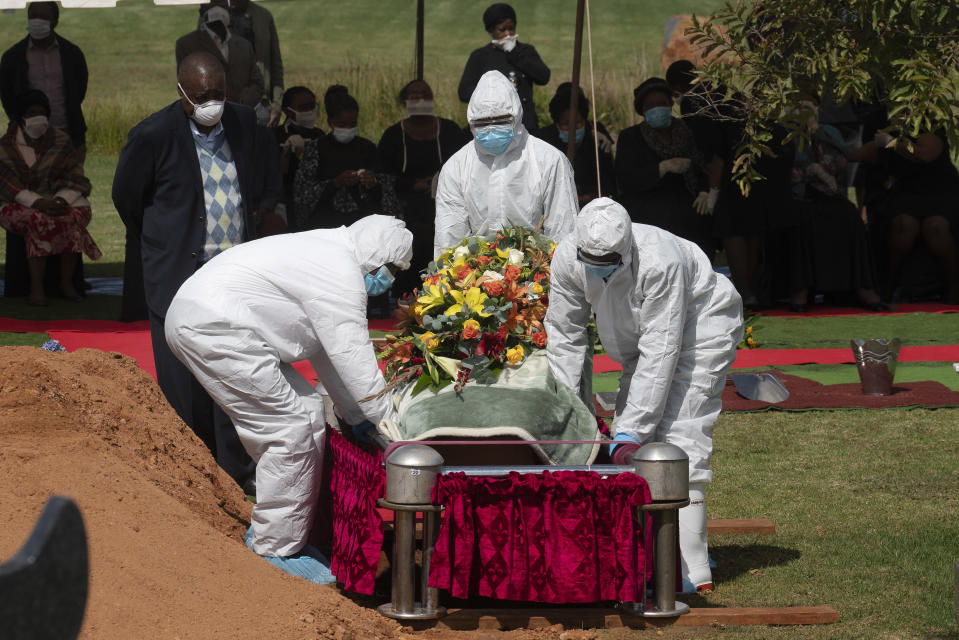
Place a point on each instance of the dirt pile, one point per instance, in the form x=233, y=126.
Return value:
x=164, y=522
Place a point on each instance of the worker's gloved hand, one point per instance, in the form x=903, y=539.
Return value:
x=363, y=430
x=674, y=165
x=622, y=449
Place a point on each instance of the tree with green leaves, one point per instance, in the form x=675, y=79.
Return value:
x=769, y=61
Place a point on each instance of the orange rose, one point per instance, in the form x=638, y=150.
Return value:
x=539, y=338
x=471, y=329
x=494, y=288
x=511, y=274
x=463, y=272
x=483, y=260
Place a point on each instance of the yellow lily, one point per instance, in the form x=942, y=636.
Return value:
x=432, y=297
x=474, y=299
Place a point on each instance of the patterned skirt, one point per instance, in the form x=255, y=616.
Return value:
x=48, y=236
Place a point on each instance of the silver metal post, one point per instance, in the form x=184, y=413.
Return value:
x=404, y=531
x=430, y=596
x=411, y=472
x=665, y=535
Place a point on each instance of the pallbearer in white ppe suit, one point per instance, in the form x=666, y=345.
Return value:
x=505, y=176
x=240, y=321
x=673, y=324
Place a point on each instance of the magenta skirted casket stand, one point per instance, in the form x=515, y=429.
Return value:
x=561, y=537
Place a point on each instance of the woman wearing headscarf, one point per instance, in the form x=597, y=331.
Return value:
x=588, y=176
x=43, y=195
x=413, y=150
x=517, y=61
x=661, y=171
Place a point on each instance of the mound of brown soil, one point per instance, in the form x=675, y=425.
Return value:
x=164, y=522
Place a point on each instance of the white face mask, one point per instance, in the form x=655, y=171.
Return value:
x=304, y=119
x=206, y=114
x=36, y=126
x=217, y=13
x=506, y=44
x=420, y=108
x=344, y=136
x=38, y=28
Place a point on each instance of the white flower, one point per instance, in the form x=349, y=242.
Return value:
x=492, y=275
x=460, y=252
x=516, y=257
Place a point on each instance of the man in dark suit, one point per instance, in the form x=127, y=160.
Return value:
x=46, y=61
x=190, y=184
x=244, y=82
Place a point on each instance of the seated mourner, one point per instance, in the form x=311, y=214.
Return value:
x=43, y=195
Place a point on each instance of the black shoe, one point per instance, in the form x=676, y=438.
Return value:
x=798, y=308
x=249, y=487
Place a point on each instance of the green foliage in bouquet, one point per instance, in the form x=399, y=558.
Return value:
x=481, y=308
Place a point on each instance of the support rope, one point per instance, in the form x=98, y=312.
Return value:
x=592, y=98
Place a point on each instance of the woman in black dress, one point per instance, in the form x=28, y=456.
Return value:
x=661, y=172
x=413, y=150
x=337, y=182
x=588, y=180
x=299, y=127
x=920, y=202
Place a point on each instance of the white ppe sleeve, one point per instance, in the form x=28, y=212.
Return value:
x=347, y=363
x=452, y=218
x=567, y=339
x=560, y=202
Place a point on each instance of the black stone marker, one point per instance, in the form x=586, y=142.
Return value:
x=44, y=586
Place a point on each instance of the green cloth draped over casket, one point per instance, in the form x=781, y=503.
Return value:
x=526, y=402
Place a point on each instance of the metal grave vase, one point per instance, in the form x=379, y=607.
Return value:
x=876, y=362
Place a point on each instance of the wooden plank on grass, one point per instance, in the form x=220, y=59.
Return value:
x=741, y=525
x=599, y=618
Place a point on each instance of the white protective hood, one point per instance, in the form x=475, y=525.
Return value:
x=479, y=193
x=379, y=240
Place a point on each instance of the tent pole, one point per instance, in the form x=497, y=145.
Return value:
x=574, y=94
x=419, y=39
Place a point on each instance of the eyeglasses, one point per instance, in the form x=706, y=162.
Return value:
x=596, y=262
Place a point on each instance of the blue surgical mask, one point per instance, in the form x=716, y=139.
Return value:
x=580, y=134
x=495, y=139
x=380, y=283
x=603, y=272
x=344, y=136
x=658, y=117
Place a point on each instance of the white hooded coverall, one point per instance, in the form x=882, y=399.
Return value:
x=479, y=193
x=248, y=313
x=669, y=320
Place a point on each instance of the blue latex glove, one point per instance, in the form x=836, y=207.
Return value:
x=362, y=431
x=308, y=563
x=629, y=446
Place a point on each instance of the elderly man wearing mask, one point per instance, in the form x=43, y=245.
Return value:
x=505, y=177
x=674, y=325
x=238, y=324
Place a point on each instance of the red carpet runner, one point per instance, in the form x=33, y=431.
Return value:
x=133, y=339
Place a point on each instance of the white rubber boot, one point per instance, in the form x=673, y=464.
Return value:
x=692, y=538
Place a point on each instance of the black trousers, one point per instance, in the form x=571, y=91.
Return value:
x=197, y=409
